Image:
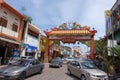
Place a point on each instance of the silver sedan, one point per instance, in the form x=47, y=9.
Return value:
x=86, y=70
x=20, y=69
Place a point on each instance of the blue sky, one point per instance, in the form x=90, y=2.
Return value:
x=50, y=13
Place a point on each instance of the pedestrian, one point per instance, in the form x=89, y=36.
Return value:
x=116, y=68
x=97, y=61
x=102, y=64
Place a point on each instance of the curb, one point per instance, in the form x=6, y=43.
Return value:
x=2, y=66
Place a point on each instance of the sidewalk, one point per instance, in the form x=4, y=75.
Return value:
x=115, y=77
x=2, y=66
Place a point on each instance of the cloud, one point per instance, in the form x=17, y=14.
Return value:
x=70, y=9
x=50, y=13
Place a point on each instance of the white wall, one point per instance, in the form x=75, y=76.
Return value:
x=111, y=43
x=32, y=41
x=11, y=20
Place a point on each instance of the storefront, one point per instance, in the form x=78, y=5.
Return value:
x=7, y=49
x=30, y=50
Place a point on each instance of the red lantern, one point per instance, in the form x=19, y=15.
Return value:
x=118, y=17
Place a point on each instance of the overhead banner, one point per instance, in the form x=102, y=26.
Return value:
x=108, y=22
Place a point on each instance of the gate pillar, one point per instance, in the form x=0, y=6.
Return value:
x=47, y=49
x=92, y=48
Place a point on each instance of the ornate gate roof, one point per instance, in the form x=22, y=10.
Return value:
x=70, y=34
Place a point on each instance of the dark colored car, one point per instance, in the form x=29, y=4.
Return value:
x=20, y=69
x=56, y=62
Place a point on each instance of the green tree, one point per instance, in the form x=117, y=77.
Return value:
x=116, y=51
x=27, y=18
x=101, y=50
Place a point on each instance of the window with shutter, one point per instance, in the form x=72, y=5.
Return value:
x=15, y=27
x=3, y=22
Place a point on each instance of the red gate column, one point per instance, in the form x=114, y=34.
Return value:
x=92, y=48
x=47, y=49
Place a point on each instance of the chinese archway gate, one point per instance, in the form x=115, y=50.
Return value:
x=71, y=35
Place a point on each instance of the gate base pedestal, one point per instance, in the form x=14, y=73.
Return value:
x=46, y=59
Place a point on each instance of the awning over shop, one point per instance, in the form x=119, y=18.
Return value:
x=30, y=48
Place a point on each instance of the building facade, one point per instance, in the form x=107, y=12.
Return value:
x=11, y=26
x=42, y=47
x=114, y=31
x=30, y=40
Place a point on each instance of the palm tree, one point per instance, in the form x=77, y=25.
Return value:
x=101, y=50
x=27, y=18
x=116, y=50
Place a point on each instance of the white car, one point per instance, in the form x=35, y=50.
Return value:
x=86, y=70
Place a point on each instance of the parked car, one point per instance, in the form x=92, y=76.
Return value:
x=86, y=70
x=12, y=61
x=56, y=62
x=20, y=69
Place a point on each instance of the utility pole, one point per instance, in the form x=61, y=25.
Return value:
x=112, y=18
x=113, y=40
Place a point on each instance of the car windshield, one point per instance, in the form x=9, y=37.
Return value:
x=88, y=65
x=70, y=58
x=20, y=63
x=55, y=60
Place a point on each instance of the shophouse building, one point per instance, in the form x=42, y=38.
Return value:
x=11, y=26
x=42, y=47
x=113, y=32
x=112, y=17
x=30, y=40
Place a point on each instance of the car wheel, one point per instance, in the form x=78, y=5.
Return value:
x=22, y=76
x=69, y=72
x=83, y=77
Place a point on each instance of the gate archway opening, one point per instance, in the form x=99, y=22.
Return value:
x=71, y=34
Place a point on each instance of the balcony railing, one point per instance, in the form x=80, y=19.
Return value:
x=8, y=31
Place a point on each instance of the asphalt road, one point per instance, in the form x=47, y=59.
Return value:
x=53, y=74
